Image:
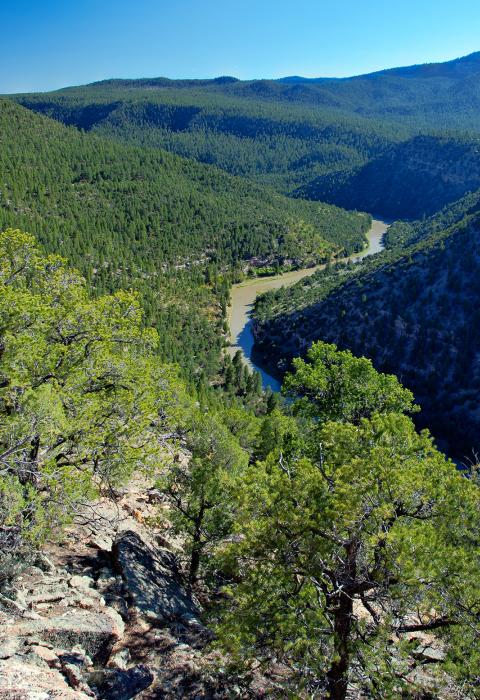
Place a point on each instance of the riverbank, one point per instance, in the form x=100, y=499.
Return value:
x=243, y=296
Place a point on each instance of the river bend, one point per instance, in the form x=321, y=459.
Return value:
x=243, y=297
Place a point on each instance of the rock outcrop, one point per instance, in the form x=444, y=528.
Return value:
x=152, y=580
x=96, y=631
x=120, y=684
x=89, y=622
x=55, y=629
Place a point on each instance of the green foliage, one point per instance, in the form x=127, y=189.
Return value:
x=239, y=381
x=84, y=401
x=276, y=431
x=197, y=487
x=337, y=386
x=349, y=533
x=243, y=424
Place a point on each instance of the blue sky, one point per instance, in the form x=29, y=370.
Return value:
x=51, y=43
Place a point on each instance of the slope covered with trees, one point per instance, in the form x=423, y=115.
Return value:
x=168, y=227
x=442, y=95
x=278, y=144
x=413, y=179
x=399, y=143
x=412, y=309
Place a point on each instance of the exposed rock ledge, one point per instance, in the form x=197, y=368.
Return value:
x=89, y=622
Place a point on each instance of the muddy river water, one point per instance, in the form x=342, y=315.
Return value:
x=243, y=296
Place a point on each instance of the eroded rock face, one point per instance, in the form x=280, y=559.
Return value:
x=25, y=681
x=152, y=580
x=56, y=629
x=86, y=623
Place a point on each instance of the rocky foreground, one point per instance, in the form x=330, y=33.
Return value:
x=104, y=614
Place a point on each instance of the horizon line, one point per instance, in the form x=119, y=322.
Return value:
x=291, y=76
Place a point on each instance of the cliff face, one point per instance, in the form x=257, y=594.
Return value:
x=418, y=317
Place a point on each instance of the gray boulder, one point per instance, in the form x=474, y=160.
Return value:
x=152, y=580
x=95, y=632
x=429, y=653
x=21, y=680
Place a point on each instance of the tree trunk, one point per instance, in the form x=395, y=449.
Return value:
x=194, y=564
x=196, y=552
x=337, y=678
x=341, y=604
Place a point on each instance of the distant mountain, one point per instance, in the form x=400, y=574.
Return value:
x=159, y=82
x=317, y=138
x=458, y=67
x=301, y=79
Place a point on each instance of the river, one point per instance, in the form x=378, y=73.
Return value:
x=243, y=296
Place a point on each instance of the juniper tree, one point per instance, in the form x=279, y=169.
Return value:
x=349, y=535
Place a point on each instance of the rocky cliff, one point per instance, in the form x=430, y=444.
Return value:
x=103, y=613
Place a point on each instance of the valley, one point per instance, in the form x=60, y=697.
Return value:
x=239, y=381
x=258, y=161
x=243, y=297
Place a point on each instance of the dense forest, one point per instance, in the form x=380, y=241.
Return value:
x=170, y=228
x=400, y=143
x=410, y=180
x=281, y=145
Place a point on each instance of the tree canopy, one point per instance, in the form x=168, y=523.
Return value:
x=84, y=399
x=336, y=385
x=354, y=532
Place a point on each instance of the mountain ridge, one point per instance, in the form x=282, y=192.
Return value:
x=426, y=69
x=429, y=67
x=282, y=134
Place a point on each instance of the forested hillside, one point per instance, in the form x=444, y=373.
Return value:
x=275, y=143
x=413, y=179
x=401, y=234
x=402, y=143
x=413, y=309
x=441, y=95
x=128, y=216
